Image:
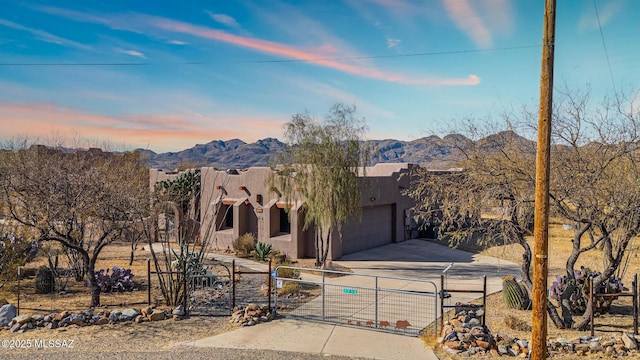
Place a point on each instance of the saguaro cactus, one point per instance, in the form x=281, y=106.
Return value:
x=515, y=295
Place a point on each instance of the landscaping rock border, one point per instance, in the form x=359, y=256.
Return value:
x=465, y=335
x=251, y=315
x=22, y=323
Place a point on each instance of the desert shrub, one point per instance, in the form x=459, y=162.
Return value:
x=580, y=296
x=244, y=244
x=289, y=287
x=120, y=279
x=514, y=323
x=263, y=250
x=287, y=272
x=45, y=281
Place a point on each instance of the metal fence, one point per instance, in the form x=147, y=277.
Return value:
x=383, y=303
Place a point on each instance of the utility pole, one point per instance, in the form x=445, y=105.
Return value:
x=541, y=221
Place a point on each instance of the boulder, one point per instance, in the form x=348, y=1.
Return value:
x=61, y=315
x=629, y=341
x=128, y=314
x=114, y=316
x=7, y=313
x=76, y=319
x=157, y=315
x=22, y=319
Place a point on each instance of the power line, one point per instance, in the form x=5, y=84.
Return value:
x=604, y=45
x=437, y=53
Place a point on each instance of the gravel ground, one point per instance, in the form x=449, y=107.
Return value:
x=184, y=353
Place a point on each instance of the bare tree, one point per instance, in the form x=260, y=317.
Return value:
x=595, y=185
x=321, y=168
x=80, y=199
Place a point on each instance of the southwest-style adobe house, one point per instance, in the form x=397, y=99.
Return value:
x=248, y=205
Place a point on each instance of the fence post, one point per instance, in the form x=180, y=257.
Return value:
x=376, y=314
x=269, y=286
x=591, y=302
x=149, y=282
x=19, y=274
x=484, y=300
x=184, y=284
x=275, y=297
x=323, y=295
x=635, y=304
x=442, y=298
x=233, y=283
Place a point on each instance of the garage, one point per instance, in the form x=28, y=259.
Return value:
x=375, y=228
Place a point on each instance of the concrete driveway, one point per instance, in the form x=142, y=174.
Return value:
x=422, y=259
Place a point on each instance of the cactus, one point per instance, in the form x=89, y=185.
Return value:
x=45, y=283
x=515, y=295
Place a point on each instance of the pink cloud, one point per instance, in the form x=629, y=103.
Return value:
x=291, y=52
x=138, y=22
x=159, y=132
x=467, y=20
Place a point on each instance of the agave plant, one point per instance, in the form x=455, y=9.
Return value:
x=263, y=250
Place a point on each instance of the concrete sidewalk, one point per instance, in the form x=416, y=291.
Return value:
x=318, y=338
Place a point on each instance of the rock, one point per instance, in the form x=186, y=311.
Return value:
x=502, y=349
x=7, y=313
x=128, y=314
x=61, y=315
x=140, y=318
x=177, y=317
x=52, y=325
x=77, y=319
x=157, y=315
x=472, y=323
x=629, y=341
x=595, y=346
x=102, y=321
x=48, y=318
x=114, y=316
x=37, y=317
x=253, y=307
x=455, y=345
x=178, y=311
x=522, y=343
x=22, y=319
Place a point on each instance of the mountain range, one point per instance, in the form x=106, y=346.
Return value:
x=432, y=151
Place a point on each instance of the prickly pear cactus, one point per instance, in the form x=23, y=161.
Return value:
x=515, y=295
x=45, y=283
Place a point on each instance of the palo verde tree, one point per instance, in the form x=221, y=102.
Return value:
x=594, y=185
x=80, y=199
x=321, y=167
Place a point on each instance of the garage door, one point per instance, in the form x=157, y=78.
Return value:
x=373, y=230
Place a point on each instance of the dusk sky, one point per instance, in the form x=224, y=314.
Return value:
x=165, y=75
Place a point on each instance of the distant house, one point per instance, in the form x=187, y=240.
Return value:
x=246, y=204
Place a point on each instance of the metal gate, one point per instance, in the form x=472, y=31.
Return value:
x=399, y=305
x=209, y=290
